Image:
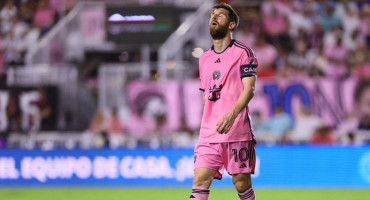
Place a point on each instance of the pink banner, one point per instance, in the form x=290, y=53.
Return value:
x=332, y=100
x=328, y=98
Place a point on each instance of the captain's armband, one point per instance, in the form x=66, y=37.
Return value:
x=248, y=70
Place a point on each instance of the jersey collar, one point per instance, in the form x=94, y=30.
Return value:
x=230, y=45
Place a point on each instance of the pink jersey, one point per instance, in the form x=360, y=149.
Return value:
x=220, y=79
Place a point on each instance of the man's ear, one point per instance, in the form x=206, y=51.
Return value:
x=232, y=26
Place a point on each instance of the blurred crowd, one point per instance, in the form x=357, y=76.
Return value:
x=310, y=37
x=24, y=22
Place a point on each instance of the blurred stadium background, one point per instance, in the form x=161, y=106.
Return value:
x=90, y=102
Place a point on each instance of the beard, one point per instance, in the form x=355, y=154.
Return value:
x=219, y=32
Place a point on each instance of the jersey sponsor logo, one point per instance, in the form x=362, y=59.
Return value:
x=214, y=93
x=218, y=60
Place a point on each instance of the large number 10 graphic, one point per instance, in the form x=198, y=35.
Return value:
x=242, y=156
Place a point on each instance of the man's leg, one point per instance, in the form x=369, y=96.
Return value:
x=203, y=178
x=243, y=184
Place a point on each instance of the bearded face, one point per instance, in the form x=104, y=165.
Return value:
x=218, y=31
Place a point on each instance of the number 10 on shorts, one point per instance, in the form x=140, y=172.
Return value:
x=242, y=155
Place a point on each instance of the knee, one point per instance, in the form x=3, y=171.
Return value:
x=242, y=186
x=203, y=182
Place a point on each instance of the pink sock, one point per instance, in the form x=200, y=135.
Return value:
x=199, y=193
x=247, y=195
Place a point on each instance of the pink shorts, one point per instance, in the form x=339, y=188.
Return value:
x=235, y=157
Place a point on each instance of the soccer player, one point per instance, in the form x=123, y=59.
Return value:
x=227, y=79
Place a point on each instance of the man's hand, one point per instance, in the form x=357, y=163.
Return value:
x=226, y=122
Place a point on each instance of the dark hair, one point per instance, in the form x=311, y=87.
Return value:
x=233, y=17
x=361, y=86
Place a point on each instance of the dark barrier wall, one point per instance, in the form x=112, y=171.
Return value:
x=27, y=109
x=279, y=166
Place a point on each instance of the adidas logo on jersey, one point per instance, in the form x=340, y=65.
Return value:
x=243, y=165
x=218, y=60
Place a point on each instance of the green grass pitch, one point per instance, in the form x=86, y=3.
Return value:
x=176, y=194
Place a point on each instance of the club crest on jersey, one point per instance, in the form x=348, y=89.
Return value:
x=216, y=75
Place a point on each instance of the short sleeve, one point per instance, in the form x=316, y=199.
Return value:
x=249, y=67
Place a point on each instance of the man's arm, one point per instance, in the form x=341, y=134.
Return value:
x=227, y=121
x=203, y=98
